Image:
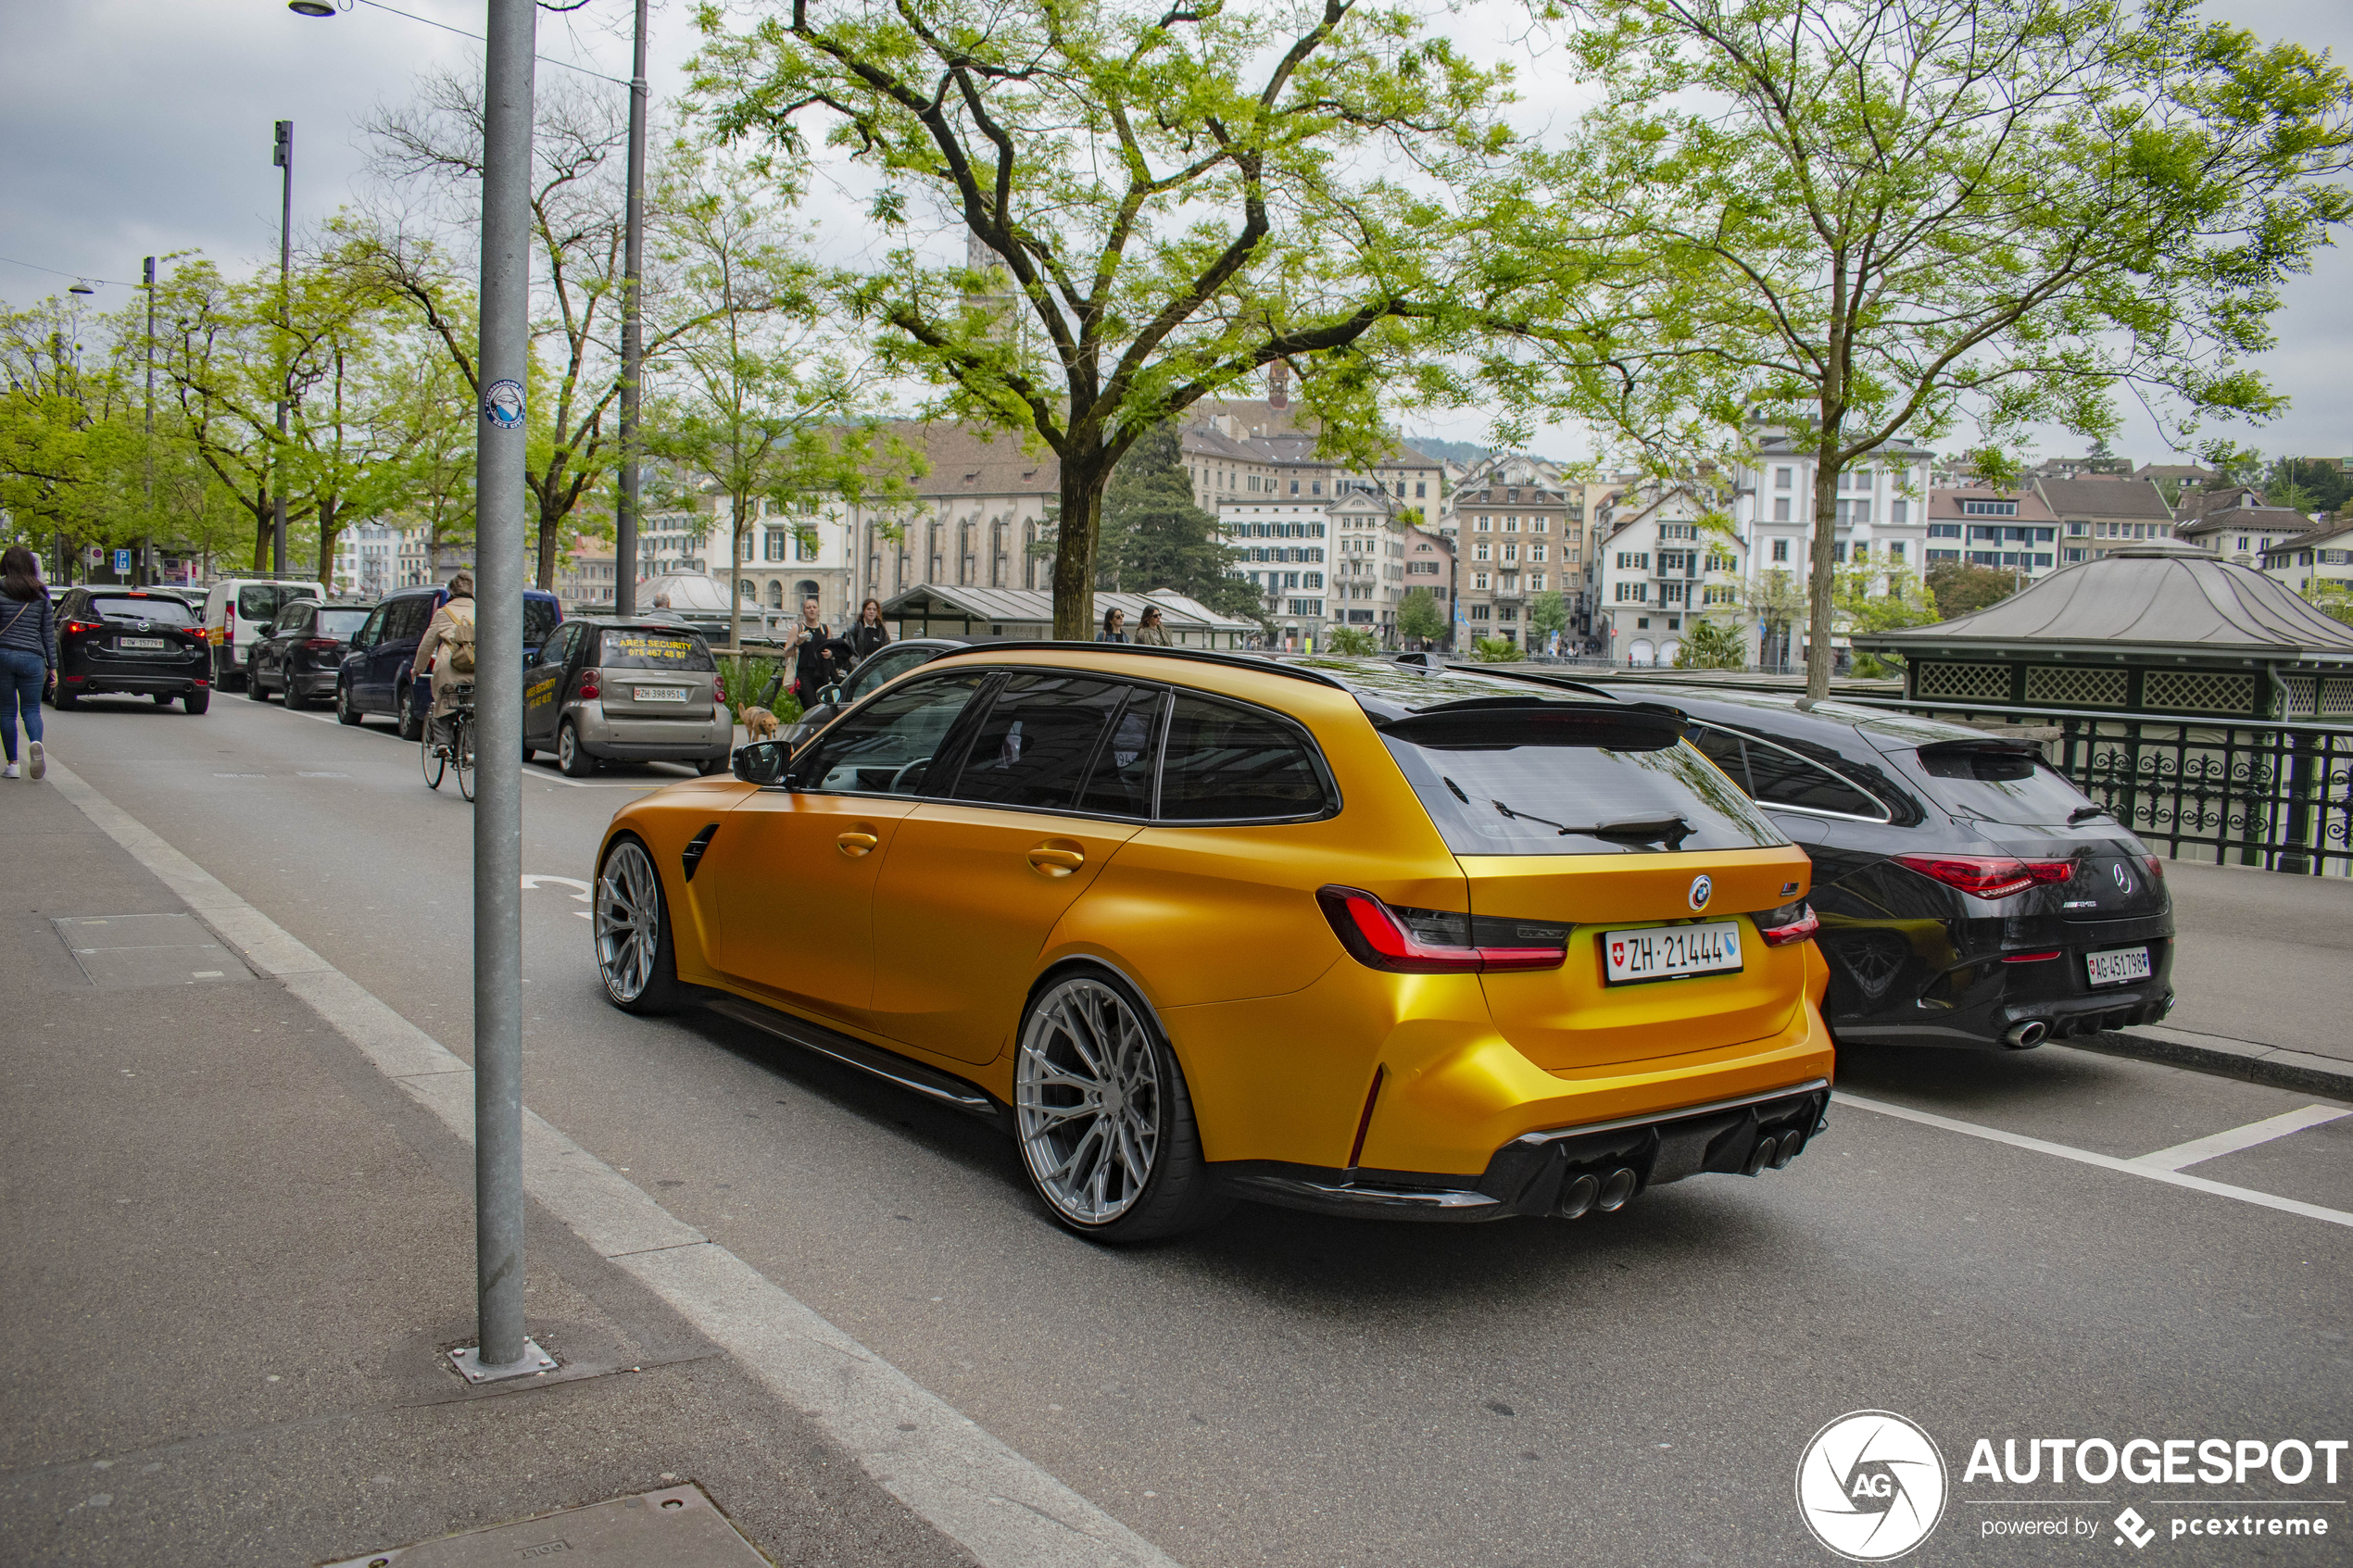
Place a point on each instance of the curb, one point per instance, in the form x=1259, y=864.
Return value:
x=2230, y=1058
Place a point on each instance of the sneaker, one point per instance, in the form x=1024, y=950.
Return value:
x=9, y=772
x=36, y=761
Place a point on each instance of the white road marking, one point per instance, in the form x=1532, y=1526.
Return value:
x=2105, y=1161
x=2214, y=1146
x=530, y=773
x=1003, y=1509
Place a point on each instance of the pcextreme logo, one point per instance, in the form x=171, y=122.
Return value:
x=1870, y=1486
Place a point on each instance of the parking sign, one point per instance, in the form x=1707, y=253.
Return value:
x=121, y=562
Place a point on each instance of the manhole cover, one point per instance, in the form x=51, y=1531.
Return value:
x=118, y=952
x=677, y=1527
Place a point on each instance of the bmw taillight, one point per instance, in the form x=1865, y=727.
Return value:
x=1408, y=941
x=1988, y=876
x=1790, y=922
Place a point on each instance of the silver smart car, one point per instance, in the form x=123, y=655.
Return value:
x=636, y=691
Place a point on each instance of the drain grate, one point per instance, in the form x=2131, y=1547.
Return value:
x=676, y=1527
x=125, y=952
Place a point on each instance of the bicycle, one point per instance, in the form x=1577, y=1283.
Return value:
x=438, y=756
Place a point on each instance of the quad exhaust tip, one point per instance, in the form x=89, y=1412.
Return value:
x=2027, y=1035
x=1616, y=1190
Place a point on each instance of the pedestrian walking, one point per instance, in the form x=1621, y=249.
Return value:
x=28, y=657
x=870, y=634
x=1150, y=633
x=820, y=658
x=1114, y=627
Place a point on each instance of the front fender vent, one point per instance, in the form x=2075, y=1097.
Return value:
x=691, y=856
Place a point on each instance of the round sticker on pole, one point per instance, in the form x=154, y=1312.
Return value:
x=503, y=404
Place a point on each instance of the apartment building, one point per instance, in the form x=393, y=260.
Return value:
x=2097, y=515
x=1880, y=508
x=1284, y=552
x=1430, y=564
x=1512, y=542
x=2319, y=561
x=2009, y=529
x=1656, y=570
x=2248, y=530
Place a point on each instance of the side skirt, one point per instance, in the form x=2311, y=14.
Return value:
x=887, y=1065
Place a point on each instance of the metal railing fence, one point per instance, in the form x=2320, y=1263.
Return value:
x=2244, y=792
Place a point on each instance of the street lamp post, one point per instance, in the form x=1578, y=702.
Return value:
x=633, y=335
x=504, y=356
x=282, y=155
x=146, y=573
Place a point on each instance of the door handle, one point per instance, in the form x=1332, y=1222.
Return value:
x=856, y=844
x=1050, y=861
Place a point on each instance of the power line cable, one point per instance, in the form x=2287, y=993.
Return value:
x=379, y=5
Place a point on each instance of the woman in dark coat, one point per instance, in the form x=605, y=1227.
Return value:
x=28, y=655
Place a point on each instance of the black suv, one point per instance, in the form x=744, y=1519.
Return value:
x=375, y=669
x=132, y=642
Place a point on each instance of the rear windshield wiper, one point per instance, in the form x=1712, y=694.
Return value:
x=2086, y=813
x=1637, y=830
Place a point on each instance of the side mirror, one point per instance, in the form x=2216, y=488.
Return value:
x=762, y=762
x=267, y=629
x=830, y=697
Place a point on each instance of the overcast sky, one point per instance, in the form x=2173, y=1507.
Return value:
x=134, y=127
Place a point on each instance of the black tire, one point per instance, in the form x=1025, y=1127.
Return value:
x=253, y=679
x=636, y=979
x=197, y=701
x=345, y=713
x=1177, y=1192
x=711, y=765
x=571, y=756
x=411, y=722
x=296, y=702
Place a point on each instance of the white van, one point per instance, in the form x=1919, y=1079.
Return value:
x=235, y=608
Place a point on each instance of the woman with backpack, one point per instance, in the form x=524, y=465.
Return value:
x=451, y=634
x=28, y=655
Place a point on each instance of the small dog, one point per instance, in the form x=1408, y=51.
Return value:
x=760, y=724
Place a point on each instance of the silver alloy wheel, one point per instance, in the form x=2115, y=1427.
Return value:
x=1087, y=1101
x=628, y=920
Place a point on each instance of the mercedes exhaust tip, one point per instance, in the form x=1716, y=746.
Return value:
x=2027, y=1035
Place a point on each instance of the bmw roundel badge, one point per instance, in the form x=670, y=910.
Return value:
x=1702, y=891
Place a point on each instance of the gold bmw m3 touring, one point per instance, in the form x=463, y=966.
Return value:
x=1341, y=935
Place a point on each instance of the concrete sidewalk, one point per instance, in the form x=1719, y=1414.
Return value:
x=2264, y=972
x=238, y=1255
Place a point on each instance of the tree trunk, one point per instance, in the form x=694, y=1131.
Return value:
x=328, y=530
x=735, y=574
x=546, y=576
x=1076, y=534
x=1820, y=569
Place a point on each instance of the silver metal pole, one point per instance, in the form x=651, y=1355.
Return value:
x=146, y=573
x=498, y=586
x=282, y=153
x=633, y=335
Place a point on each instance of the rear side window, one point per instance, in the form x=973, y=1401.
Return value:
x=1120, y=783
x=1227, y=762
x=539, y=618
x=888, y=747
x=1536, y=799
x=258, y=601
x=2000, y=784
x=340, y=623
x=122, y=607
x=654, y=650
x=407, y=617
x=1040, y=735
x=1778, y=776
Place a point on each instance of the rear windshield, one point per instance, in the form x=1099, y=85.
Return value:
x=2000, y=784
x=259, y=601
x=163, y=611
x=339, y=622
x=539, y=617
x=1517, y=800
x=654, y=650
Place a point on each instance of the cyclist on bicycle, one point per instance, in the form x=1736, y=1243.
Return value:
x=450, y=634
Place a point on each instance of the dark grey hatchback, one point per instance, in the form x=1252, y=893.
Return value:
x=1970, y=895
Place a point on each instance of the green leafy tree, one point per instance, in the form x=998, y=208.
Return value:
x=2308, y=484
x=1710, y=644
x=2331, y=598
x=1356, y=642
x=1961, y=588
x=1419, y=619
x=69, y=450
x=1858, y=218
x=1547, y=614
x=1877, y=593
x=1775, y=601
x=1160, y=203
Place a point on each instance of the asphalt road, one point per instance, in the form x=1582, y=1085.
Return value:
x=1293, y=1389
